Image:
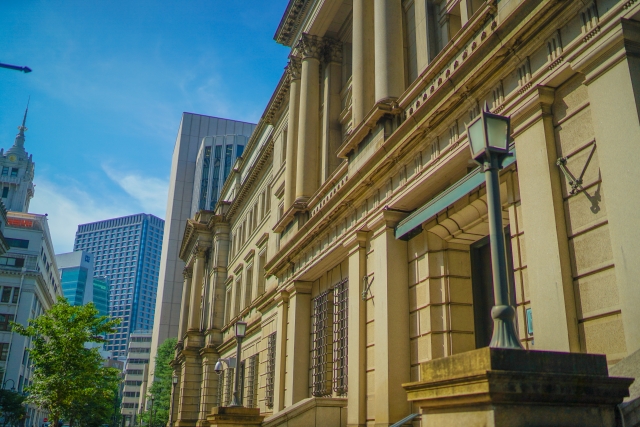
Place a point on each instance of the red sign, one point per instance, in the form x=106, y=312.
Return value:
x=46, y=419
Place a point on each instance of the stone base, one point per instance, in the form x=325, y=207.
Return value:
x=236, y=416
x=493, y=387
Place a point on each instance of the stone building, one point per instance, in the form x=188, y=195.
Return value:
x=352, y=235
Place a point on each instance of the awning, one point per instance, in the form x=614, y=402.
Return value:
x=413, y=223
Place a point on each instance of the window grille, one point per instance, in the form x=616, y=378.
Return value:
x=252, y=381
x=228, y=386
x=271, y=369
x=340, y=336
x=220, y=392
x=322, y=344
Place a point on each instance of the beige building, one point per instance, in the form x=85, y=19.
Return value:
x=352, y=235
x=135, y=374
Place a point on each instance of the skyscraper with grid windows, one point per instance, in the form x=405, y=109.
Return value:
x=127, y=252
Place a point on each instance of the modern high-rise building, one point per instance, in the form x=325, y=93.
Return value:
x=229, y=135
x=216, y=156
x=79, y=284
x=127, y=253
x=135, y=370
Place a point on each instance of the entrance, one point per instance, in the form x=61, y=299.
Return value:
x=482, y=283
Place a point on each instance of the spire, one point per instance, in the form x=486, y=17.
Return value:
x=19, y=142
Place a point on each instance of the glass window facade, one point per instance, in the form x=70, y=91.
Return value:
x=74, y=282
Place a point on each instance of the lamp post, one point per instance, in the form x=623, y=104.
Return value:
x=241, y=329
x=489, y=143
x=174, y=382
x=13, y=384
x=151, y=412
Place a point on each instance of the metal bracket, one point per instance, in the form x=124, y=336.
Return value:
x=365, y=287
x=574, y=182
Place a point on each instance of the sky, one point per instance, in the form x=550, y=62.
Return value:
x=110, y=81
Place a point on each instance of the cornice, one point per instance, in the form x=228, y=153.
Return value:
x=291, y=21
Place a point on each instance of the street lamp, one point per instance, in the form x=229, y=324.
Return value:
x=151, y=412
x=489, y=143
x=241, y=329
x=13, y=385
x=174, y=382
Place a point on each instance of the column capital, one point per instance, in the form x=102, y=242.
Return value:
x=332, y=50
x=537, y=104
x=310, y=46
x=187, y=272
x=201, y=250
x=294, y=69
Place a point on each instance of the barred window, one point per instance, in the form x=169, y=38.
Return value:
x=340, y=336
x=321, y=360
x=228, y=386
x=251, y=390
x=271, y=369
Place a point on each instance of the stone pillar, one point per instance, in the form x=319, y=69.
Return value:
x=357, y=345
x=184, y=307
x=209, y=385
x=299, y=331
x=219, y=261
x=190, y=382
x=282, y=301
x=196, y=289
x=175, y=393
x=548, y=260
x=613, y=82
x=308, y=161
x=293, y=71
x=389, y=47
x=331, y=127
x=362, y=78
x=422, y=36
x=390, y=291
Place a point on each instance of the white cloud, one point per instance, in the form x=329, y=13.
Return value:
x=67, y=207
x=149, y=192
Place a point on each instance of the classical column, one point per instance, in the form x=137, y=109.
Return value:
x=331, y=127
x=219, y=273
x=209, y=384
x=190, y=385
x=548, y=261
x=184, y=307
x=196, y=289
x=308, y=161
x=388, y=49
x=297, y=380
x=362, y=78
x=357, y=344
x=613, y=83
x=293, y=72
x=390, y=290
x=282, y=301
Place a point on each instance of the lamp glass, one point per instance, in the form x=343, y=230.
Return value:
x=175, y=379
x=497, y=131
x=475, y=133
x=241, y=328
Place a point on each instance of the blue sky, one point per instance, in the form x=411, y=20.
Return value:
x=109, y=83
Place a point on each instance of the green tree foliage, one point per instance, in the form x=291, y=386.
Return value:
x=66, y=374
x=161, y=387
x=11, y=407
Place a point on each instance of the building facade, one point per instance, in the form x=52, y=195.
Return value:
x=194, y=134
x=79, y=285
x=135, y=370
x=30, y=284
x=127, y=253
x=352, y=236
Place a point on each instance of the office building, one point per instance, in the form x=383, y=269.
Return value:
x=79, y=284
x=366, y=285
x=30, y=284
x=136, y=366
x=193, y=129
x=126, y=251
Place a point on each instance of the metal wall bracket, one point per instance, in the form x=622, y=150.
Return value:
x=574, y=182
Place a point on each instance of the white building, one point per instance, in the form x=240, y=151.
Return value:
x=135, y=370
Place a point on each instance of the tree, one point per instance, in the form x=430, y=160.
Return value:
x=11, y=405
x=162, y=383
x=65, y=371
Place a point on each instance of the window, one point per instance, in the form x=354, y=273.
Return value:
x=17, y=243
x=14, y=262
x=322, y=344
x=248, y=290
x=271, y=370
x=238, y=295
x=14, y=172
x=5, y=170
x=6, y=294
x=262, y=260
x=4, y=351
x=251, y=389
x=227, y=311
x=5, y=192
x=5, y=319
x=340, y=336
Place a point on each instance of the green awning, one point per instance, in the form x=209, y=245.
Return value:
x=412, y=224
